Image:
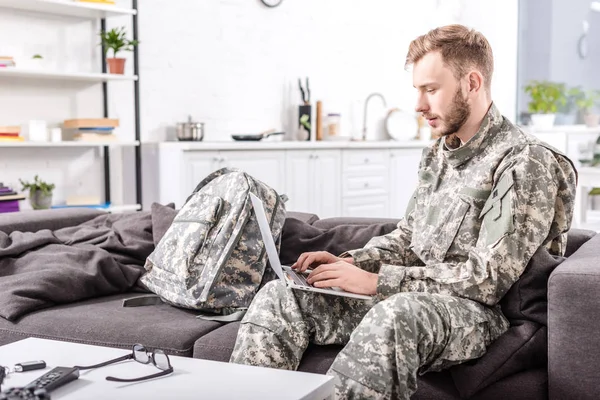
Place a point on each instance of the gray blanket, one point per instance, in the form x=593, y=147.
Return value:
x=97, y=258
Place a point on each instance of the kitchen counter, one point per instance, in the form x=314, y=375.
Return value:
x=292, y=145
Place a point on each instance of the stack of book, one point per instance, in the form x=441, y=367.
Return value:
x=6, y=61
x=9, y=199
x=90, y=129
x=10, y=134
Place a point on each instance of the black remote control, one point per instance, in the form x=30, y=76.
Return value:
x=54, y=378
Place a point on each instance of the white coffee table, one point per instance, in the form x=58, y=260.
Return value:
x=192, y=379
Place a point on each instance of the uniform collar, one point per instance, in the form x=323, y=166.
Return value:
x=490, y=125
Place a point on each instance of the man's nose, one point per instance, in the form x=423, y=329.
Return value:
x=421, y=105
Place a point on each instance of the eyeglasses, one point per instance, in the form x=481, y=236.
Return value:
x=141, y=355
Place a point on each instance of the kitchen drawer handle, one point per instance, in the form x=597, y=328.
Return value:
x=366, y=184
x=366, y=160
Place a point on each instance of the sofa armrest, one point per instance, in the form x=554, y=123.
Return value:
x=574, y=325
x=33, y=221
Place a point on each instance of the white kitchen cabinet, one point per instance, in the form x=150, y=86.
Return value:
x=196, y=166
x=365, y=182
x=266, y=166
x=374, y=179
x=313, y=181
x=404, y=169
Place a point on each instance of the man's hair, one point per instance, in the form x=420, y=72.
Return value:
x=461, y=48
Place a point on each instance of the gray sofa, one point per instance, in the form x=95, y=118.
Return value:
x=564, y=369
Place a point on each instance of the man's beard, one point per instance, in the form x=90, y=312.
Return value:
x=457, y=116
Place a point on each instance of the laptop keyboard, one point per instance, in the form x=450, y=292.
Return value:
x=298, y=279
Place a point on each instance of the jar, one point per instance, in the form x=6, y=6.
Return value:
x=333, y=125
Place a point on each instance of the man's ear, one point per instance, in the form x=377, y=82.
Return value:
x=475, y=81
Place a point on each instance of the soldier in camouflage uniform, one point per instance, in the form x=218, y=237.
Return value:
x=489, y=195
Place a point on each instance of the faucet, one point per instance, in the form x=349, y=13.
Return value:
x=364, y=132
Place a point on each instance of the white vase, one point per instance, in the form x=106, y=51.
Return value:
x=592, y=120
x=541, y=122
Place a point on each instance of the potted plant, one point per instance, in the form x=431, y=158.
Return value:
x=586, y=102
x=116, y=41
x=546, y=97
x=567, y=113
x=40, y=193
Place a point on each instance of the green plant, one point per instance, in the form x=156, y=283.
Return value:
x=546, y=97
x=116, y=41
x=38, y=185
x=571, y=96
x=37, y=57
x=587, y=100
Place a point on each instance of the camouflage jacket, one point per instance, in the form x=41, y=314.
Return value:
x=479, y=213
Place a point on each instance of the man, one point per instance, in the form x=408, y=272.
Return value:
x=488, y=197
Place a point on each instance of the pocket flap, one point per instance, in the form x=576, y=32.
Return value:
x=201, y=208
x=503, y=186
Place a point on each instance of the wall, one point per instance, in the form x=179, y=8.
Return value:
x=234, y=65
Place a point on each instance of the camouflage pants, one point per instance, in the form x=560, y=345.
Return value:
x=387, y=344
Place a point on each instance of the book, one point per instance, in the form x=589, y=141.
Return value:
x=90, y=123
x=12, y=197
x=9, y=206
x=94, y=137
x=10, y=129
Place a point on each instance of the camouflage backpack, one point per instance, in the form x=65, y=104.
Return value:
x=212, y=258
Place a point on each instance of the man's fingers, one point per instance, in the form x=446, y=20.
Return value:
x=300, y=261
x=325, y=274
x=321, y=268
x=328, y=283
x=308, y=261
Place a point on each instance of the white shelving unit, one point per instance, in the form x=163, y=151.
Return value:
x=81, y=10
x=72, y=144
x=69, y=8
x=16, y=72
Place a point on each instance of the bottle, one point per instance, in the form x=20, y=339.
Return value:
x=333, y=126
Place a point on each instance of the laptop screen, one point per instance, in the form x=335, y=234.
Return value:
x=267, y=236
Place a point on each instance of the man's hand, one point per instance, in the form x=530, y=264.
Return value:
x=316, y=258
x=345, y=276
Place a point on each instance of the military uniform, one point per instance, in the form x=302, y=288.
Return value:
x=479, y=213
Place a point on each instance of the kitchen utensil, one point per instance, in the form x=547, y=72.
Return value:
x=256, y=137
x=190, y=131
x=305, y=93
x=401, y=125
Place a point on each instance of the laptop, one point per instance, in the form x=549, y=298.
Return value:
x=292, y=279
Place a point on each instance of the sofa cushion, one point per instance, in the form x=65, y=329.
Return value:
x=527, y=299
x=162, y=218
x=328, y=223
x=576, y=238
x=523, y=347
x=105, y=322
x=299, y=237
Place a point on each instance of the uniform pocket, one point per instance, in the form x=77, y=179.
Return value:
x=448, y=225
x=497, y=213
x=187, y=236
x=468, y=333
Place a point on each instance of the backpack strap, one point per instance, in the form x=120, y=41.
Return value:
x=146, y=300
x=227, y=316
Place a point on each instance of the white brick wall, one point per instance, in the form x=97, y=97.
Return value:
x=234, y=64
